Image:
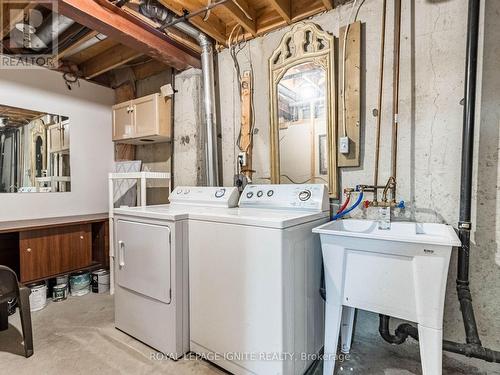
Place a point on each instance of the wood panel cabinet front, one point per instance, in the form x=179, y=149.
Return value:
x=48, y=252
x=123, y=122
x=143, y=120
x=145, y=115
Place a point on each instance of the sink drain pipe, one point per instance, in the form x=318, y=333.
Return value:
x=472, y=347
x=157, y=12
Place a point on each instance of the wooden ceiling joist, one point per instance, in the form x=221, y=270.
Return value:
x=284, y=8
x=213, y=27
x=68, y=50
x=243, y=14
x=328, y=4
x=105, y=18
x=148, y=69
x=108, y=60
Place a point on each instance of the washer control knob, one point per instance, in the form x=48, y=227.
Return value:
x=187, y=191
x=260, y=193
x=270, y=193
x=179, y=191
x=249, y=194
x=304, y=195
x=220, y=193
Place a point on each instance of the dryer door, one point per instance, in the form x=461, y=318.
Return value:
x=143, y=259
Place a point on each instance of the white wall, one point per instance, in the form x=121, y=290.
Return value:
x=91, y=149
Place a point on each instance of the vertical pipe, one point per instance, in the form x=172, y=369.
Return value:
x=395, y=96
x=207, y=66
x=379, y=104
x=153, y=10
x=464, y=224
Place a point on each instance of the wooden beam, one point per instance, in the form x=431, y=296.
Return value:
x=108, y=19
x=214, y=27
x=108, y=60
x=284, y=8
x=243, y=14
x=90, y=35
x=328, y=4
x=148, y=69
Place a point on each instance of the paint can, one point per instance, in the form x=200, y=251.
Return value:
x=100, y=281
x=59, y=292
x=63, y=279
x=38, y=296
x=79, y=283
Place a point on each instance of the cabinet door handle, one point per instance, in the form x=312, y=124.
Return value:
x=121, y=253
x=28, y=249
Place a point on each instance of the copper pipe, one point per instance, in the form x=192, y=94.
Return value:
x=379, y=104
x=390, y=185
x=395, y=97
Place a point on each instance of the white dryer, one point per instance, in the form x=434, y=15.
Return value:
x=254, y=280
x=151, y=267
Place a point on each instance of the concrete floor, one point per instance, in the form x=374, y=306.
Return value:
x=77, y=336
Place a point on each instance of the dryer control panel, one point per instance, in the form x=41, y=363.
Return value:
x=312, y=197
x=205, y=195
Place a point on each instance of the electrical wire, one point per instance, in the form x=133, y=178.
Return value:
x=302, y=182
x=237, y=45
x=207, y=14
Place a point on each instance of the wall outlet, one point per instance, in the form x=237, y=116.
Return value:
x=242, y=159
x=344, y=145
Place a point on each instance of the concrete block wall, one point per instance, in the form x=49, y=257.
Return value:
x=432, y=75
x=188, y=146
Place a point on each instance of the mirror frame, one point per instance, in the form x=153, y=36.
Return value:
x=292, y=52
x=37, y=131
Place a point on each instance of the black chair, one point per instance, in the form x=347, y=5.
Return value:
x=10, y=288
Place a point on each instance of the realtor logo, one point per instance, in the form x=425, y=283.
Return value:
x=29, y=34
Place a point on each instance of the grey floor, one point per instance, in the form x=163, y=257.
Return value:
x=77, y=336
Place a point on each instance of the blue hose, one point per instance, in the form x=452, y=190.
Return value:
x=356, y=204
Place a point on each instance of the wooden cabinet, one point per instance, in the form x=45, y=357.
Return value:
x=143, y=120
x=58, y=135
x=52, y=251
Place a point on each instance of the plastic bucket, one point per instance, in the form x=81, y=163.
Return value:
x=38, y=296
x=100, y=281
x=79, y=283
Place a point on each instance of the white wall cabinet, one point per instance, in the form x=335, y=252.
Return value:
x=143, y=120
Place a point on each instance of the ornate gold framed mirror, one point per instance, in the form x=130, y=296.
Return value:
x=303, y=110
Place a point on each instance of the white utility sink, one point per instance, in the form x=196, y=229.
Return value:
x=400, y=272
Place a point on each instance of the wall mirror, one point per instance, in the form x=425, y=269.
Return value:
x=34, y=151
x=303, y=128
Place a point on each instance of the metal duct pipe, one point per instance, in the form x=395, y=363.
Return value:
x=152, y=9
x=52, y=28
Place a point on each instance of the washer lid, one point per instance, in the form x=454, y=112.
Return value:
x=258, y=217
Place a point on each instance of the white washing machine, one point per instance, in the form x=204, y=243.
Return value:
x=254, y=280
x=151, y=267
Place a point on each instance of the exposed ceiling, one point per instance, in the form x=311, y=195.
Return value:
x=106, y=37
x=255, y=17
x=17, y=116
